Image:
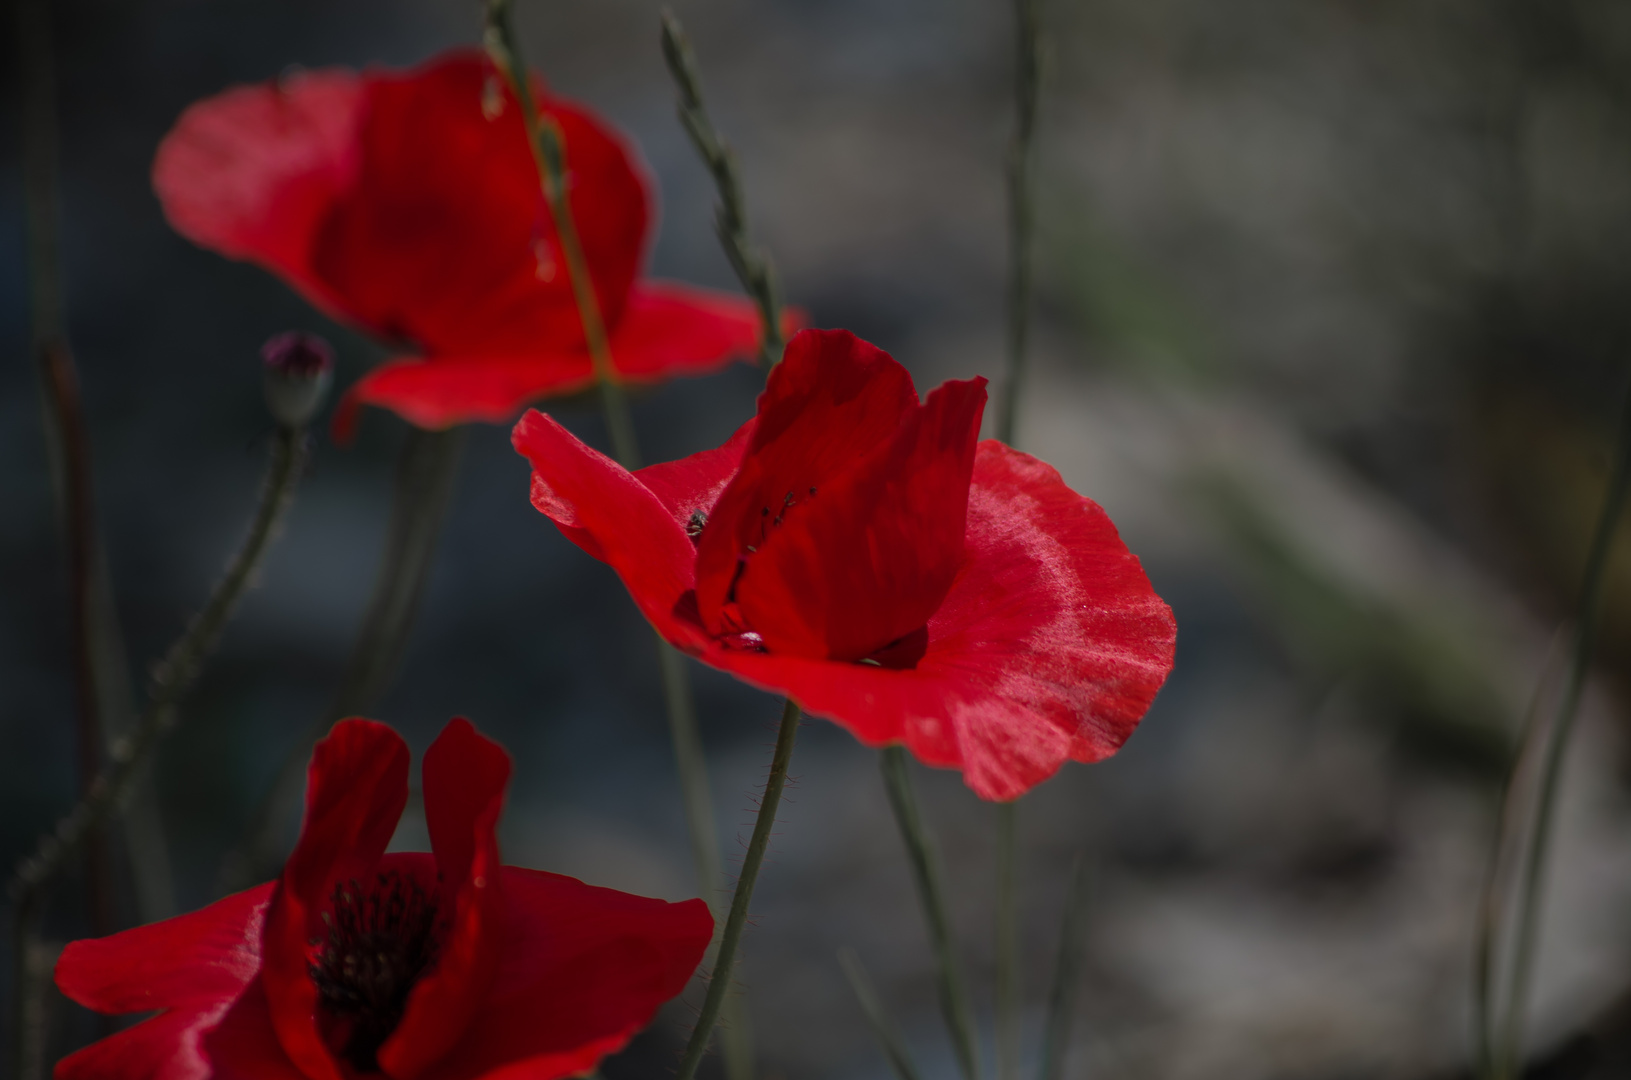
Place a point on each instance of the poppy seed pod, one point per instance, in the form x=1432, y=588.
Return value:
x=298, y=369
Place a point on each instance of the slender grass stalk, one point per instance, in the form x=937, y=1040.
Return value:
x=426, y=470
x=753, y=267
x=1066, y=975
x=1007, y=990
x=171, y=679
x=549, y=157
x=1021, y=213
x=954, y=1002
x=1027, y=79
x=1504, y=852
x=888, y=1035
x=1531, y=897
x=719, y=977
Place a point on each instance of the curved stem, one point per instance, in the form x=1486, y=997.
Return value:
x=1531, y=897
x=426, y=470
x=719, y=980
x=171, y=679
x=752, y=266
x=954, y=1003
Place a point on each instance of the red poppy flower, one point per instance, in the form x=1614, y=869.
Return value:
x=859, y=551
x=442, y=966
x=409, y=204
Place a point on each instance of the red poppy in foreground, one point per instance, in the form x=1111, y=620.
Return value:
x=862, y=553
x=443, y=966
x=409, y=204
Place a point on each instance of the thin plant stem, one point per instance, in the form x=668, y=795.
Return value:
x=719, y=979
x=171, y=679
x=426, y=472
x=753, y=267
x=954, y=1002
x=1066, y=975
x=1021, y=213
x=1027, y=79
x=1531, y=895
x=549, y=157
x=1007, y=989
x=888, y=1035
x=1504, y=851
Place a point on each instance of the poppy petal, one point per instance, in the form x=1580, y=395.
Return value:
x=445, y=239
x=609, y=513
x=694, y=483
x=583, y=970
x=673, y=329
x=831, y=401
x=202, y=956
x=356, y=789
x=253, y=172
x=846, y=571
x=1050, y=646
x=465, y=778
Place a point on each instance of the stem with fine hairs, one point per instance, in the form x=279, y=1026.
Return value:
x=753, y=267
x=549, y=157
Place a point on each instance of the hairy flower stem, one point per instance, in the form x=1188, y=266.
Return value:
x=1062, y=995
x=171, y=680
x=719, y=977
x=1027, y=79
x=1509, y=1060
x=884, y=1029
x=549, y=156
x=425, y=473
x=954, y=1002
x=753, y=267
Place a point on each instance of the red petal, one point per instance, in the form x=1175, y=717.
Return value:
x=672, y=329
x=1050, y=646
x=192, y=967
x=610, y=514
x=356, y=788
x=202, y=957
x=868, y=559
x=465, y=777
x=665, y=330
x=445, y=238
x=696, y=482
x=583, y=970
x=253, y=172
x=831, y=401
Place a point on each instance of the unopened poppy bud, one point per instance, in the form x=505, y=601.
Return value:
x=299, y=367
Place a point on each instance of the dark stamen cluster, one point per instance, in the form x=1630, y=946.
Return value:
x=379, y=943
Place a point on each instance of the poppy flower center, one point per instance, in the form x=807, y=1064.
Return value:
x=380, y=941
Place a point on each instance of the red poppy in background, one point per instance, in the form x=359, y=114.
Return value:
x=862, y=553
x=409, y=204
x=443, y=966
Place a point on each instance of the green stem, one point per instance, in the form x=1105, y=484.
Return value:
x=549, y=157
x=752, y=266
x=427, y=468
x=954, y=1003
x=1062, y=995
x=1027, y=83
x=171, y=680
x=1539, y=837
x=719, y=980
x=1008, y=1018
x=888, y=1035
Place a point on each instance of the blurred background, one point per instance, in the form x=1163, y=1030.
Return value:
x=1332, y=319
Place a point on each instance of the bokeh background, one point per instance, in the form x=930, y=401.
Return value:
x=1332, y=319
